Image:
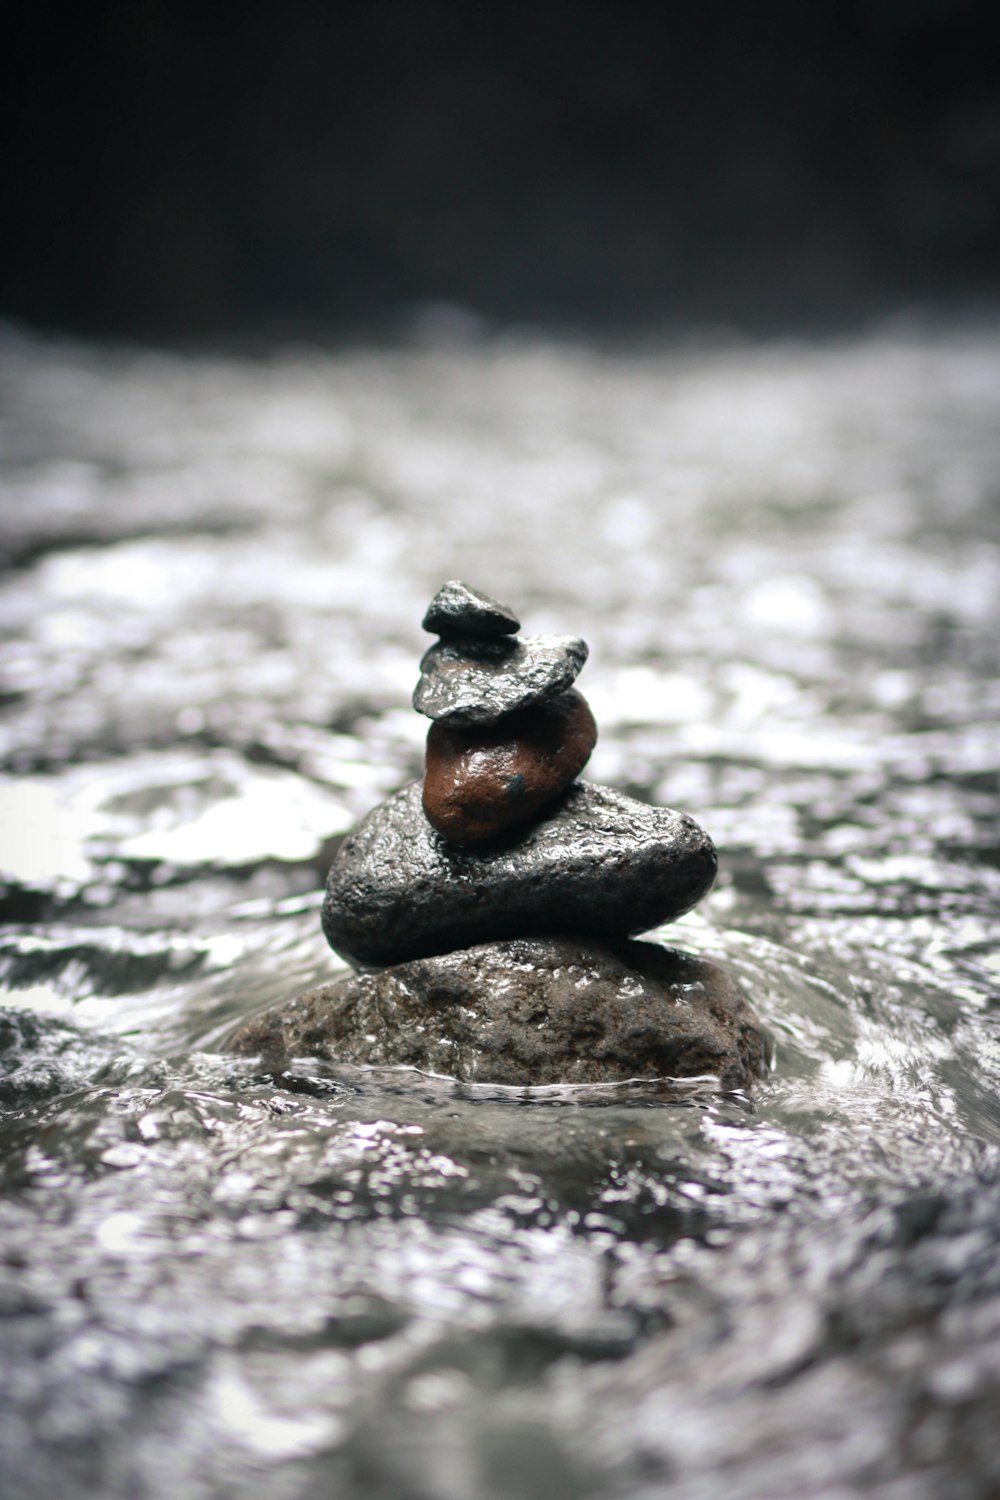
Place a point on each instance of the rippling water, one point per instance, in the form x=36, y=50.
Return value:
x=213, y=1282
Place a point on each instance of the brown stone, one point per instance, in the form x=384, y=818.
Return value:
x=479, y=782
x=528, y=1011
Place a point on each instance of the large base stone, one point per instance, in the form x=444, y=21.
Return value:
x=528, y=1011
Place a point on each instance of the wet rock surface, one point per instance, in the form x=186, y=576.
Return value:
x=599, y=863
x=460, y=611
x=480, y=782
x=528, y=1012
x=503, y=676
x=41, y=1058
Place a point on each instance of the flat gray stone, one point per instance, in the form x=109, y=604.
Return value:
x=528, y=1012
x=466, y=686
x=599, y=863
x=458, y=610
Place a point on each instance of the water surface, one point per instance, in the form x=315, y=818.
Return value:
x=215, y=1282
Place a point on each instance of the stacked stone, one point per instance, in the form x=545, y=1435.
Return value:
x=498, y=895
x=509, y=731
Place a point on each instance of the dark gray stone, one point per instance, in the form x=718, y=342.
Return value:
x=458, y=610
x=467, y=685
x=600, y=863
x=529, y=1011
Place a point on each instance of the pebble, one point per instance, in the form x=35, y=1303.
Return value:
x=600, y=863
x=528, y=1011
x=460, y=611
x=480, y=782
x=470, y=683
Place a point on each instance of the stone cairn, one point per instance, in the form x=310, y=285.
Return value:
x=488, y=910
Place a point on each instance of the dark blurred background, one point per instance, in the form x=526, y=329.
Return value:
x=179, y=168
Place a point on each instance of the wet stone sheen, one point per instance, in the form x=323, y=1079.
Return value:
x=528, y=1012
x=601, y=863
x=459, y=611
x=477, y=684
x=480, y=782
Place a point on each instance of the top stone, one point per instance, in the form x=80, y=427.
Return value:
x=458, y=612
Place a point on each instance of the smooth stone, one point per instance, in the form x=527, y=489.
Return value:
x=479, y=686
x=479, y=782
x=526, y=1012
x=458, y=610
x=600, y=863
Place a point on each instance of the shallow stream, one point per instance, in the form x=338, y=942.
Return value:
x=215, y=1282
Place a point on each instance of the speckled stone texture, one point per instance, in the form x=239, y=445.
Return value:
x=601, y=863
x=528, y=1011
x=458, y=610
x=478, y=783
x=476, y=683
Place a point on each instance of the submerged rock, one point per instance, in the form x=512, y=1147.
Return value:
x=600, y=863
x=525, y=1012
x=476, y=683
x=480, y=782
